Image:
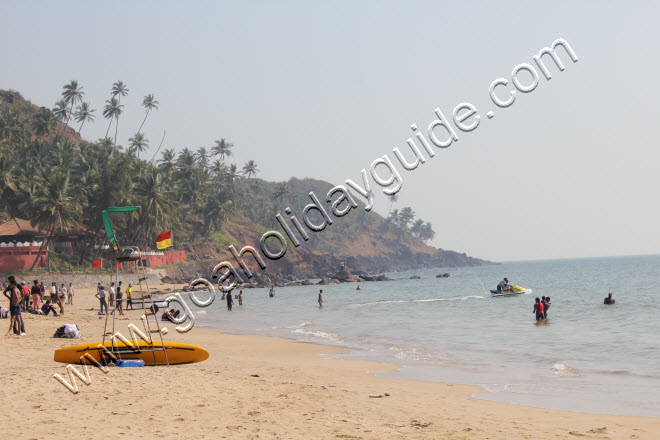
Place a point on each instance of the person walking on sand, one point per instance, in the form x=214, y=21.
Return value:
x=240, y=298
x=538, y=309
x=230, y=301
x=112, y=294
x=43, y=290
x=53, y=293
x=69, y=294
x=101, y=296
x=320, y=298
x=35, y=291
x=15, y=296
x=59, y=298
x=119, y=297
x=26, y=296
x=129, y=296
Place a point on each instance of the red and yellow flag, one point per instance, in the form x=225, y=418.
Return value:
x=164, y=240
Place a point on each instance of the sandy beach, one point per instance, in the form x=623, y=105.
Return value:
x=256, y=387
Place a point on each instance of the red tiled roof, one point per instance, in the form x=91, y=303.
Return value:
x=18, y=226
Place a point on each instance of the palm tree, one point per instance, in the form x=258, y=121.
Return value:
x=167, y=163
x=43, y=122
x=281, y=192
x=149, y=103
x=118, y=89
x=83, y=114
x=218, y=169
x=202, y=156
x=222, y=148
x=428, y=233
x=417, y=228
x=250, y=169
x=62, y=112
x=406, y=216
x=158, y=202
x=138, y=143
x=53, y=206
x=393, y=199
x=72, y=94
x=231, y=174
x=186, y=163
x=112, y=110
x=215, y=211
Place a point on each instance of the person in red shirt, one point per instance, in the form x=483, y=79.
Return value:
x=538, y=309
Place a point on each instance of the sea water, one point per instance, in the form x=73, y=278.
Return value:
x=586, y=357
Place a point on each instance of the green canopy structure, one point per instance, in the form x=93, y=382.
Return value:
x=108, y=224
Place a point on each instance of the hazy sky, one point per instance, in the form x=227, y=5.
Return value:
x=321, y=89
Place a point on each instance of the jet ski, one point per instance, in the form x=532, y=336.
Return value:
x=515, y=290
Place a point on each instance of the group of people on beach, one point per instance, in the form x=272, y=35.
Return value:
x=29, y=299
x=115, y=297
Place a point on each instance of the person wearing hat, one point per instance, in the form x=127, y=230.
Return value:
x=129, y=296
x=503, y=285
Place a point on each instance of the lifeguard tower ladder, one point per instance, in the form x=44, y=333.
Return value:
x=132, y=254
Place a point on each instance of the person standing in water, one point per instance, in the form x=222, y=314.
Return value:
x=240, y=298
x=320, y=299
x=608, y=299
x=230, y=301
x=271, y=293
x=538, y=309
x=546, y=305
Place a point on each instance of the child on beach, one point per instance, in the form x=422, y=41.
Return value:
x=538, y=309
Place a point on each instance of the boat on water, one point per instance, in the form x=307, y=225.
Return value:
x=515, y=290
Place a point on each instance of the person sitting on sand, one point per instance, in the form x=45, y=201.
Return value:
x=170, y=315
x=608, y=299
x=503, y=285
x=47, y=308
x=538, y=309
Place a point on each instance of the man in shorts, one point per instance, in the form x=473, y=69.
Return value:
x=15, y=296
x=35, y=291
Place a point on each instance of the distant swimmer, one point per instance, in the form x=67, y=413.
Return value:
x=320, y=299
x=358, y=287
x=609, y=299
x=503, y=285
x=538, y=309
x=271, y=293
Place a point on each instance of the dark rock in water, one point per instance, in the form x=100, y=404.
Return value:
x=383, y=278
x=345, y=276
x=444, y=275
x=323, y=281
x=293, y=284
x=415, y=277
x=368, y=278
x=306, y=283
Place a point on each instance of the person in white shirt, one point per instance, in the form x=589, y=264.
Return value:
x=503, y=285
x=112, y=294
x=69, y=294
x=53, y=293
